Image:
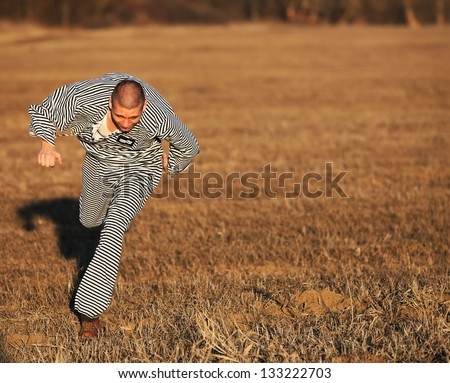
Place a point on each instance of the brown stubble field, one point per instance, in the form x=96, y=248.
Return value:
x=357, y=279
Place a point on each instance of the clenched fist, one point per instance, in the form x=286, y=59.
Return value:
x=48, y=156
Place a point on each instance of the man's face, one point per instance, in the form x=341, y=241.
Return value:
x=125, y=119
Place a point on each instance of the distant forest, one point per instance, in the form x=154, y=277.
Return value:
x=104, y=13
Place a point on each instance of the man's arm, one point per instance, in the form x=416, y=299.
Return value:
x=183, y=146
x=53, y=113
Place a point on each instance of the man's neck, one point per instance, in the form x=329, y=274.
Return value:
x=110, y=123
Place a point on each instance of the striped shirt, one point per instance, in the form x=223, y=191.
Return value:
x=79, y=107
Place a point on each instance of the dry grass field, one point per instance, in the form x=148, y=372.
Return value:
x=330, y=279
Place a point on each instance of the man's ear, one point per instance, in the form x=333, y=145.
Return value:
x=110, y=103
x=145, y=105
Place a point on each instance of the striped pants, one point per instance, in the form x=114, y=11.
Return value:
x=111, y=195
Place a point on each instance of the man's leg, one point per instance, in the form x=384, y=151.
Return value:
x=96, y=192
x=94, y=293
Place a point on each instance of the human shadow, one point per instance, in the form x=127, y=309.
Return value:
x=3, y=357
x=74, y=240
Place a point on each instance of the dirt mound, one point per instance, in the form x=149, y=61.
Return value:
x=20, y=340
x=320, y=302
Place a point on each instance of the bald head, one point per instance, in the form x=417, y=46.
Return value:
x=128, y=94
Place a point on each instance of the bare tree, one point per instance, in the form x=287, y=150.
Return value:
x=292, y=10
x=440, y=12
x=66, y=10
x=313, y=12
x=305, y=11
x=353, y=11
x=28, y=9
x=254, y=9
x=410, y=15
x=107, y=12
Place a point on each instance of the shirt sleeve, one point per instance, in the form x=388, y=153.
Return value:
x=183, y=146
x=53, y=113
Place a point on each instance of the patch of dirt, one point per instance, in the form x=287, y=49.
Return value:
x=321, y=302
x=20, y=340
x=359, y=359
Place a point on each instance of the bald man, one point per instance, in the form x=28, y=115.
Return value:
x=120, y=121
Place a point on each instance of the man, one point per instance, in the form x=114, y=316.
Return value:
x=120, y=121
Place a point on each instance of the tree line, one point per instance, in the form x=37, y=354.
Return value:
x=104, y=13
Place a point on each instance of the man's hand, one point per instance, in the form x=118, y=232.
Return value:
x=165, y=161
x=48, y=156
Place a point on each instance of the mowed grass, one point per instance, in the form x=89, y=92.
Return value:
x=357, y=279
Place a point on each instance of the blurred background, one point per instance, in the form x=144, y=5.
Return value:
x=103, y=13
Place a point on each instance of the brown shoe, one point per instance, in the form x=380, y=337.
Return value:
x=90, y=328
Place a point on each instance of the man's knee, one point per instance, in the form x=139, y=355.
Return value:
x=90, y=222
x=93, y=215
